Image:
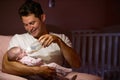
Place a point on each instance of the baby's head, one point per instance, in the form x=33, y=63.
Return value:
x=16, y=53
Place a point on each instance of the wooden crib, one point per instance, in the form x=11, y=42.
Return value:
x=99, y=52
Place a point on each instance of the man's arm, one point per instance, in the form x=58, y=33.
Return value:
x=19, y=69
x=69, y=53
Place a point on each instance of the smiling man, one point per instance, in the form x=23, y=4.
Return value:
x=56, y=47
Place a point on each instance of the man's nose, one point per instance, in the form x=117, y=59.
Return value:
x=30, y=26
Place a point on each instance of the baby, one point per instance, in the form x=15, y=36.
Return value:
x=18, y=54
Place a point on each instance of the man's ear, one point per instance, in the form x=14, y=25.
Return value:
x=43, y=17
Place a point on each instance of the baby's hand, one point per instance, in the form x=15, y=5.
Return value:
x=39, y=62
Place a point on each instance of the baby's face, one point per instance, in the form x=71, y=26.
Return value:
x=20, y=53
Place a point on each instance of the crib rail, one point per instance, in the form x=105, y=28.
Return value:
x=99, y=52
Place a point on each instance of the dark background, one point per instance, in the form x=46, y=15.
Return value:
x=66, y=15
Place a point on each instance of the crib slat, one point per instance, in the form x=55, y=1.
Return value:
x=84, y=43
x=109, y=51
x=90, y=49
x=103, y=49
x=115, y=50
x=99, y=51
x=78, y=44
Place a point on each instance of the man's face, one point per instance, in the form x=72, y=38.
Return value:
x=33, y=25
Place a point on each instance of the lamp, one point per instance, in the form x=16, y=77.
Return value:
x=51, y=3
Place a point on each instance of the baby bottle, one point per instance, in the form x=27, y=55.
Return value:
x=35, y=46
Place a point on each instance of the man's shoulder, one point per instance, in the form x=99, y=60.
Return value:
x=22, y=35
x=58, y=34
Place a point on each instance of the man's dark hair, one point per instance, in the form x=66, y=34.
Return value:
x=30, y=7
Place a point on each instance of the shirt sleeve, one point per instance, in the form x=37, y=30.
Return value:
x=66, y=40
x=13, y=42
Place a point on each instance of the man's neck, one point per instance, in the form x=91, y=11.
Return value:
x=45, y=32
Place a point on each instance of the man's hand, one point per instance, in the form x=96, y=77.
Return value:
x=48, y=71
x=47, y=39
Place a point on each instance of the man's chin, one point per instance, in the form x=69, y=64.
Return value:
x=33, y=35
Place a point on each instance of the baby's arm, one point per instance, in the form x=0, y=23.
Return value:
x=31, y=61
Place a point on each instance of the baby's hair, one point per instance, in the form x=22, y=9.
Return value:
x=11, y=54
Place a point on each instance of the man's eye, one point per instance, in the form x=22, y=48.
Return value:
x=32, y=23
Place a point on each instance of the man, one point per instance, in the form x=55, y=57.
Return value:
x=57, y=47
